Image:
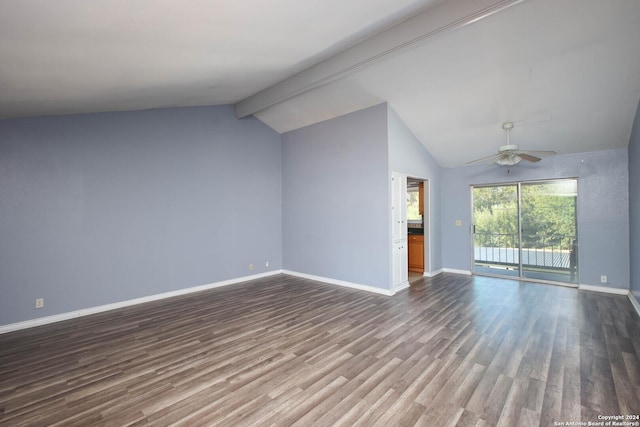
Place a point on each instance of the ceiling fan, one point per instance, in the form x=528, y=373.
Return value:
x=509, y=154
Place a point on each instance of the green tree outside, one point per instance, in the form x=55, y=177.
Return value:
x=548, y=213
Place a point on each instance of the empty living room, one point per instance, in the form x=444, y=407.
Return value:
x=336, y=213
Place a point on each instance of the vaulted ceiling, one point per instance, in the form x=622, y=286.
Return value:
x=567, y=72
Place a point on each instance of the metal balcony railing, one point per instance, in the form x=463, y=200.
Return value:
x=551, y=251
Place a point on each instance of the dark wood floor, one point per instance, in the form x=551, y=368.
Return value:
x=278, y=351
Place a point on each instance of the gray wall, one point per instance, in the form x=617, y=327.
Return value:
x=336, y=215
x=603, y=209
x=408, y=155
x=101, y=208
x=634, y=205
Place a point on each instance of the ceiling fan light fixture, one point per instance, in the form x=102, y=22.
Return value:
x=509, y=161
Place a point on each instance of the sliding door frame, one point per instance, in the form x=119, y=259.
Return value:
x=518, y=185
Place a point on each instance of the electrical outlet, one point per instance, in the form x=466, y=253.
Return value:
x=603, y=279
x=458, y=223
x=39, y=302
x=250, y=267
x=266, y=264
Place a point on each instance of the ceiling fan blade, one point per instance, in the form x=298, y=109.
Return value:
x=540, y=153
x=529, y=157
x=491, y=157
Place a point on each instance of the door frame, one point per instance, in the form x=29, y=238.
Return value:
x=518, y=185
x=426, y=219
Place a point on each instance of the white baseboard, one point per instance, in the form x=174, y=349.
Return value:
x=401, y=286
x=433, y=273
x=99, y=309
x=344, y=283
x=456, y=271
x=605, y=289
x=634, y=302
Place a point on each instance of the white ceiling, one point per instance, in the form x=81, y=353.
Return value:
x=74, y=56
x=567, y=71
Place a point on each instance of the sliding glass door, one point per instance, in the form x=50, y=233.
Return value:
x=496, y=240
x=527, y=230
x=549, y=238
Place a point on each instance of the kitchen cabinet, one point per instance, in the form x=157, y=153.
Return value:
x=416, y=253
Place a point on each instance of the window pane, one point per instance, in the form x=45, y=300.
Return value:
x=413, y=209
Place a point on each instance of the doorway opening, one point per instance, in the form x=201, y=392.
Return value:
x=401, y=201
x=526, y=230
x=417, y=227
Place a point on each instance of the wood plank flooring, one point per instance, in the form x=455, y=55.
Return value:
x=450, y=350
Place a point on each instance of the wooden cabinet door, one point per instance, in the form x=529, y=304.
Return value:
x=416, y=254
